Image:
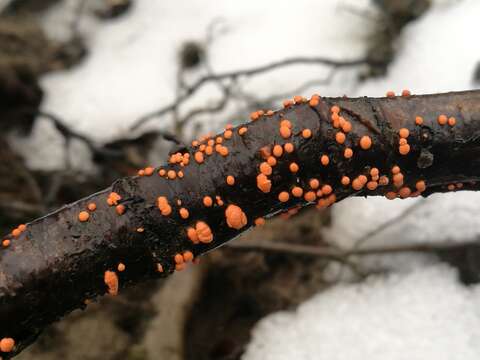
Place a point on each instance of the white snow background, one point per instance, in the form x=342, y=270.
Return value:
x=420, y=311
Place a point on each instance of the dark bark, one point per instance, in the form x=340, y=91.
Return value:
x=58, y=262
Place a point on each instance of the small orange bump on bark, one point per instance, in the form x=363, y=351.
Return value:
x=110, y=279
x=285, y=132
x=265, y=168
x=406, y=93
x=345, y=180
x=294, y=167
x=207, y=201
x=6, y=242
x=452, y=121
x=310, y=196
x=365, y=142
x=184, y=214
x=259, y=221
x=324, y=159
x=340, y=137
x=235, y=217
x=277, y=150
x=348, y=153
x=404, y=149
x=390, y=94
x=283, y=196
x=297, y=191
x=121, y=267
x=230, y=180
x=418, y=120
x=289, y=147
x=92, y=206
x=442, y=119
x=120, y=209
x=314, y=183
x=198, y=157
x=404, y=132
x=307, y=133
x=7, y=345
x=263, y=183
x=82, y=216
x=242, y=131
x=204, y=232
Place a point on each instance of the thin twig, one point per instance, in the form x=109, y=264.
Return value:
x=245, y=73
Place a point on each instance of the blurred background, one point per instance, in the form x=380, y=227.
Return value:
x=92, y=90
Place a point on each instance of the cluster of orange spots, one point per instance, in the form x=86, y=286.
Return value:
x=294, y=167
x=18, y=230
x=406, y=93
x=164, y=206
x=230, y=180
x=242, y=131
x=404, y=147
x=285, y=129
x=314, y=100
x=283, y=196
x=181, y=260
x=443, y=120
x=235, y=217
x=325, y=160
x=92, y=206
x=264, y=183
x=201, y=233
x=259, y=221
x=418, y=120
x=110, y=279
x=365, y=142
x=359, y=182
x=256, y=115
x=113, y=199
x=179, y=158
x=326, y=202
x=219, y=200
x=7, y=345
x=121, y=267
x=120, y=209
x=83, y=216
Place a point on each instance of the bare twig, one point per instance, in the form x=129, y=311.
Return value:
x=189, y=91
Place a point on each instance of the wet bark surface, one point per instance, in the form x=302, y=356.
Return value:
x=58, y=262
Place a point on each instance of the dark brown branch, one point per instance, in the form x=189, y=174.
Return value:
x=153, y=222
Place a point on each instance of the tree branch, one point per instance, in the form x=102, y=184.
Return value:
x=148, y=226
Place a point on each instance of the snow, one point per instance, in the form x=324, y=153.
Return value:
x=422, y=315
x=131, y=69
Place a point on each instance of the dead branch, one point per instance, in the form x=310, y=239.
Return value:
x=311, y=152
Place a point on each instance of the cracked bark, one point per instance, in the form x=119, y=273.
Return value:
x=58, y=262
